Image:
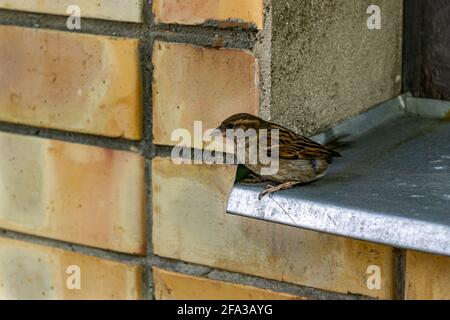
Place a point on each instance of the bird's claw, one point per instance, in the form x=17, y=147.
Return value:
x=262, y=195
x=268, y=191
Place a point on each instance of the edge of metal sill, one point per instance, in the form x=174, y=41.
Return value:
x=363, y=207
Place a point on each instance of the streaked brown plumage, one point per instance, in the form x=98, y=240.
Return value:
x=301, y=160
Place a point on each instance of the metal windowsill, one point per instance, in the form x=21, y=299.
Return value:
x=392, y=185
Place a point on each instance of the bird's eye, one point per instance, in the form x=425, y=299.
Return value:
x=229, y=126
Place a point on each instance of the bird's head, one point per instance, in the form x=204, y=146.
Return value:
x=243, y=121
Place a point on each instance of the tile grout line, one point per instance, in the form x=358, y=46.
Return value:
x=400, y=273
x=198, y=35
x=146, y=43
x=103, y=253
x=210, y=273
x=144, y=147
x=119, y=144
x=149, y=285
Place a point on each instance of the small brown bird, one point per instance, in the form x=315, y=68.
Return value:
x=301, y=160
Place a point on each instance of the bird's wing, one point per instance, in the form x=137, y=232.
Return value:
x=293, y=146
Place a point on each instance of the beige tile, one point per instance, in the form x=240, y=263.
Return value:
x=29, y=271
x=226, y=12
x=70, y=81
x=177, y=286
x=190, y=224
x=198, y=84
x=120, y=10
x=71, y=192
x=427, y=276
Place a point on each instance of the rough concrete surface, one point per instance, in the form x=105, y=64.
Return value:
x=327, y=66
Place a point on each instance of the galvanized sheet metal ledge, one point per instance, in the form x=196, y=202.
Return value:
x=392, y=185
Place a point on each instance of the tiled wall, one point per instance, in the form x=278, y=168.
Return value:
x=85, y=175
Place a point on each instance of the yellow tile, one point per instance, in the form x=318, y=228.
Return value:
x=226, y=12
x=72, y=192
x=427, y=276
x=29, y=271
x=120, y=10
x=70, y=81
x=198, y=84
x=190, y=223
x=177, y=286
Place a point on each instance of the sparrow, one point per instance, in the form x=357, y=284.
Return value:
x=300, y=160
